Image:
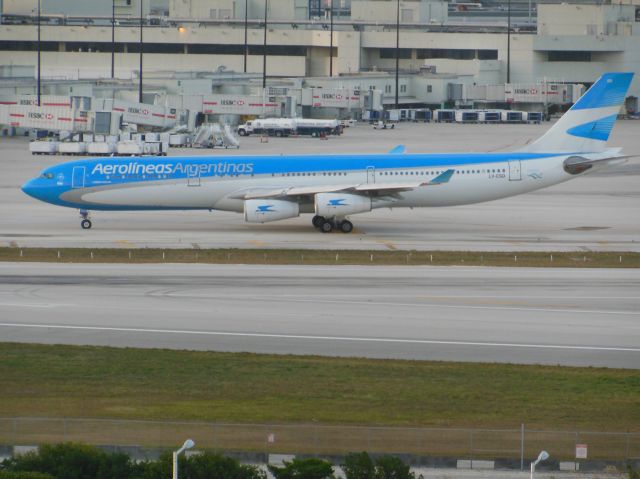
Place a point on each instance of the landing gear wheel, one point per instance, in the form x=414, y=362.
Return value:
x=86, y=224
x=346, y=226
x=327, y=227
x=317, y=221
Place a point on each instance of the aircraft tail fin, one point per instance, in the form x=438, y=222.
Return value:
x=587, y=125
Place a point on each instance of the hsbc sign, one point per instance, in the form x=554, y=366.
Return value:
x=240, y=105
x=335, y=98
x=137, y=111
x=232, y=102
x=40, y=116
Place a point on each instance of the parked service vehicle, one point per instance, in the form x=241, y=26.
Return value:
x=290, y=126
x=315, y=127
x=268, y=126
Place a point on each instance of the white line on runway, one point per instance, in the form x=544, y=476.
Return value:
x=325, y=338
x=34, y=305
x=420, y=305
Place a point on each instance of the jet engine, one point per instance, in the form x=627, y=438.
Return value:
x=263, y=211
x=336, y=204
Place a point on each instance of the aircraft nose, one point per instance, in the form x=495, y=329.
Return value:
x=30, y=188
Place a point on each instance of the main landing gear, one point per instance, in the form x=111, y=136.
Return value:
x=328, y=225
x=85, y=223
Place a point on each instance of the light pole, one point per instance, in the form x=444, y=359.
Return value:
x=397, y=50
x=509, y=41
x=331, y=39
x=543, y=456
x=246, y=22
x=39, y=50
x=113, y=37
x=188, y=444
x=141, y=48
x=264, y=53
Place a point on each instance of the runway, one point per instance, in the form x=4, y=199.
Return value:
x=513, y=315
x=592, y=213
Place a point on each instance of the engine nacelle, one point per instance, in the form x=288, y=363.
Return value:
x=336, y=204
x=263, y=211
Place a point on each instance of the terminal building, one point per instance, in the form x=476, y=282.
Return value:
x=329, y=55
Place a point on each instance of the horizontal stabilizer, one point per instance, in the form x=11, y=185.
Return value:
x=575, y=164
x=398, y=150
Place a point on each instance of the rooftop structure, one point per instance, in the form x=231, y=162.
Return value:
x=565, y=42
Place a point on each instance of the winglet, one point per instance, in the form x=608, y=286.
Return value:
x=398, y=150
x=442, y=178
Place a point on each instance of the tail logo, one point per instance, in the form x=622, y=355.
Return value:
x=594, y=130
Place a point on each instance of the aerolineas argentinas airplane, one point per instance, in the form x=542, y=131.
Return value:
x=270, y=188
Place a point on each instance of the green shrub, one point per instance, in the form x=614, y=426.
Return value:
x=24, y=475
x=208, y=465
x=311, y=468
x=72, y=461
x=361, y=466
x=358, y=466
x=391, y=467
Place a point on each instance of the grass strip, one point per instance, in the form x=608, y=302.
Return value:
x=156, y=384
x=324, y=257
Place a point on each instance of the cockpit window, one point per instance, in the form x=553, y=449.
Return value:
x=46, y=176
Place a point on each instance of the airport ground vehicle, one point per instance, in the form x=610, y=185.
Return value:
x=290, y=126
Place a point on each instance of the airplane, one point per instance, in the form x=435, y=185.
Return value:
x=334, y=187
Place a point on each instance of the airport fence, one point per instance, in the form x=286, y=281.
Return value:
x=518, y=444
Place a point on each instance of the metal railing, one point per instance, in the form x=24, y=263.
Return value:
x=510, y=444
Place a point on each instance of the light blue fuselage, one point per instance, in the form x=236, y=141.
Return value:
x=271, y=188
x=217, y=182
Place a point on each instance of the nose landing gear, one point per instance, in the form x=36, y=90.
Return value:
x=85, y=223
x=328, y=225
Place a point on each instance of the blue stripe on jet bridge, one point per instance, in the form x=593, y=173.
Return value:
x=609, y=90
x=595, y=130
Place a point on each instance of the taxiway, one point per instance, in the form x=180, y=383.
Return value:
x=576, y=317
x=594, y=212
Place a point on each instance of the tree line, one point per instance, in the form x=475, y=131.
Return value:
x=80, y=461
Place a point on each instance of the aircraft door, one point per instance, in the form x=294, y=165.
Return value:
x=193, y=176
x=515, y=171
x=371, y=174
x=77, y=178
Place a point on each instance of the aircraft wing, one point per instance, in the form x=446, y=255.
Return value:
x=362, y=188
x=291, y=191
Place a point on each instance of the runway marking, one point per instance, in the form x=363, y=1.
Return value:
x=497, y=308
x=125, y=243
x=323, y=338
x=35, y=305
x=388, y=244
x=420, y=305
